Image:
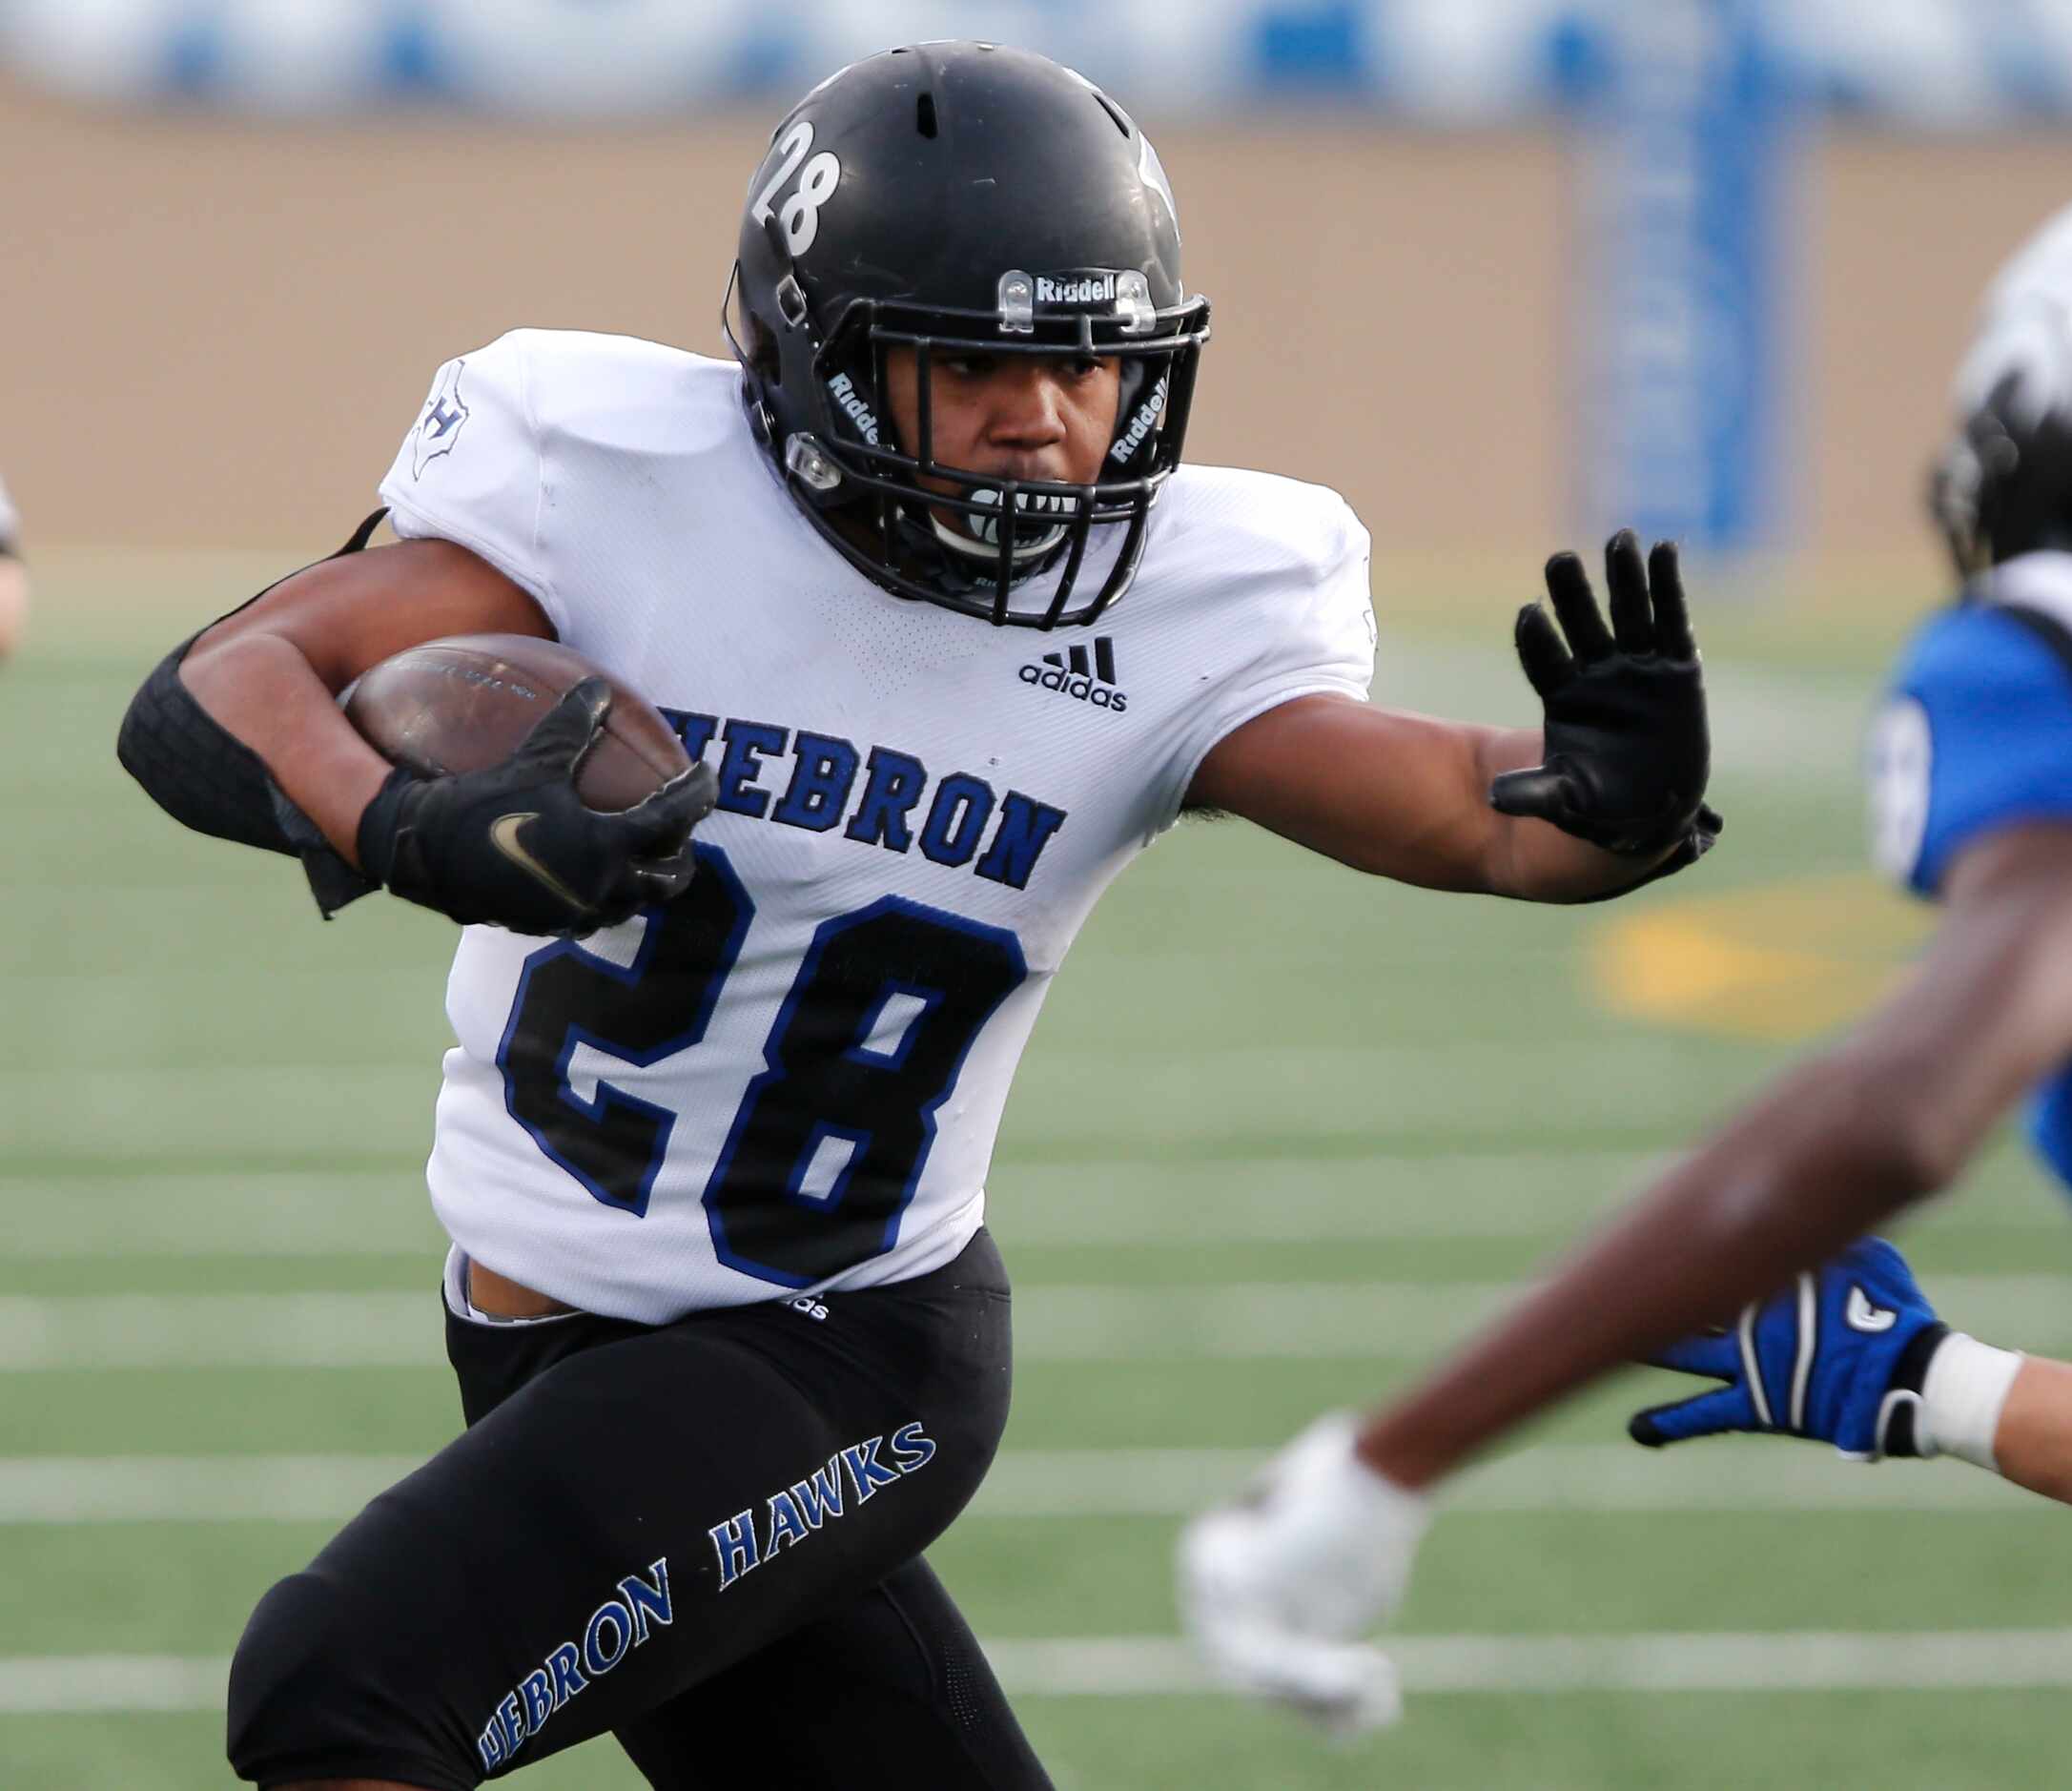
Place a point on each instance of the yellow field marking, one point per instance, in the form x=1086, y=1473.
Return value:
x=1779, y=961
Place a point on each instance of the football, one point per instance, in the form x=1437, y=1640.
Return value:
x=466, y=702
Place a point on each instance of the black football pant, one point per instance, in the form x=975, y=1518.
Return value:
x=704, y=1538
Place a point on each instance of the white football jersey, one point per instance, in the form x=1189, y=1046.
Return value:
x=791, y=1078
x=11, y=524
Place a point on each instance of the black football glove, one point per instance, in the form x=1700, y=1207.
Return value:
x=514, y=846
x=1627, y=747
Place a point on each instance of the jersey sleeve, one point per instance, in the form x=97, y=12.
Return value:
x=1311, y=620
x=1974, y=738
x=11, y=522
x=472, y=470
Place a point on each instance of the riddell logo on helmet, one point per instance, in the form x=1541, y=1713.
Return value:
x=1097, y=289
x=1141, y=425
x=1070, y=673
x=841, y=389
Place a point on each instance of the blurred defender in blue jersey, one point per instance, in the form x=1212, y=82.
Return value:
x=1747, y=1264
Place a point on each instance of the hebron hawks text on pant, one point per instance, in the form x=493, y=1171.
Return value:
x=617, y=1627
x=793, y=1515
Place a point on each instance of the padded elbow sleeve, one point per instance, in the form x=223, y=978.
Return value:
x=193, y=768
x=206, y=778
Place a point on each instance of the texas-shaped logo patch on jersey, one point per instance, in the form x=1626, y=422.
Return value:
x=439, y=430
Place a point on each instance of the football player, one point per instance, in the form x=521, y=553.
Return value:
x=924, y=583
x=14, y=578
x=1971, y=776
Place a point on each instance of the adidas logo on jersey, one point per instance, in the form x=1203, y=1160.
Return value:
x=1071, y=673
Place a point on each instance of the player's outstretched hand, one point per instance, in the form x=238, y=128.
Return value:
x=1277, y=1587
x=1836, y=1356
x=514, y=846
x=1627, y=752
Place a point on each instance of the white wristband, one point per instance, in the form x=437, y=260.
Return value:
x=1962, y=1393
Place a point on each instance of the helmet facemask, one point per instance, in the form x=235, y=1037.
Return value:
x=855, y=474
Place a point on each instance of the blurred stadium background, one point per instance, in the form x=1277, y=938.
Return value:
x=1503, y=271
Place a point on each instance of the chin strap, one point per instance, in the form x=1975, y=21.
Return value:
x=981, y=553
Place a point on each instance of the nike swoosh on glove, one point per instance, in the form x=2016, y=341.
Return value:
x=515, y=846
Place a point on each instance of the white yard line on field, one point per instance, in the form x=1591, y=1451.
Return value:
x=1263, y=1321
x=1522, y=1091
x=1099, y=1202
x=53, y=1685
x=150, y=1330
x=193, y=1489
x=1053, y=1323
x=335, y=1212
x=1582, y=1478
x=1073, y=1483
x=1820, y=1660
x=1058, y=1322
x=1138, y=1666
x=1379, y=1196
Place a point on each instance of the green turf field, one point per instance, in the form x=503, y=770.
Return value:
x=1281, y=1131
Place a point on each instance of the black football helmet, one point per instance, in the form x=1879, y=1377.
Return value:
x=2003, y=485
x=961, y=198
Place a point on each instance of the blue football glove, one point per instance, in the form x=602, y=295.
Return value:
x=1838, y=1356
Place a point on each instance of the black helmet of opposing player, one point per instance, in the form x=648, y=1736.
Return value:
x=958, y=200
x=2003, y=485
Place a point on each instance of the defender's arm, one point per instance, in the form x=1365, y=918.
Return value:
x=1842, y=1142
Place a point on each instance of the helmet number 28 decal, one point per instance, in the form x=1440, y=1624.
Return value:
x=800, y=214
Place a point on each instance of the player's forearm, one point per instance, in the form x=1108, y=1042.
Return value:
x=14, y=603
x=1387, y=793
x=1536, y=861
x=2033, y=1442
x=1793, y=1180
x=259, y=688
